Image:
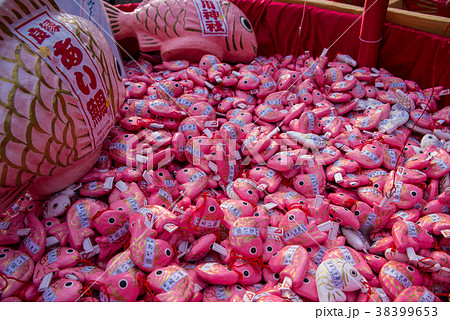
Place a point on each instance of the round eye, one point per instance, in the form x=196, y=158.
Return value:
x=168, y=252
x=373, y=147
x=246, y=273
x=253, y=250
x=68, y=284
x=123, y=284
x=148, y=111
x=257, y=169
x=245, y=81
x=6, y=250
x=195, y=108
x=256, y=214
x=189, y=137
x=338, y=220
x=111, y=220
x=306, y=280
x=160, y=174
x=291, y=217
x=212, y=208
x=309, y=249
x=279, y=159
x=411, y=269
x=274, y=254
x=376, y=185
x=163, y=205
x=238, y=287
x=31, y=207
x=186, y=170
x=428, y=233
x=2, y=255
x=345, y=209
x=70, y=251
x=176, y=85
x=250, y=192
x=357, y=213
x=305, y=98
x=200, y=140
x=269, y=249
x=353, y=273
x=55, y=205
x=301, y=183
x=376, y=257
x=245, y=203
x=159, y=272
x=341, y=194
x=171, y=120
x=132, y=224
x=49, y=224
x=276, y=276
x=229, y=269
x=130, y=120
x=318, y=124
x=414, y=193
x=126, y=136
x=281, y=83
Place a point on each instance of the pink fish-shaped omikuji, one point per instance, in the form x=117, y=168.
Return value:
x=124, y=281
x=296, y=231
x=247, y=190
x=191, y=181
x=62, y=290
x=353, y=257
x=369, y=157
x=406, y=193
x=205, y=217
x=284, y=198
x=129, y=198
x=234, y=209
x=416, y=294
x=16, y=269
x=171, y=284
x=216, y=273
x=221, y=293
x=114, y=227
x=435, y=222
x=11, y=223
x=34, y=243
x=149, y=253
x=55, y=228
x=292, y=261
x=409, y=234
x=172, y=36
x=89, y=275
x=80, y=217
x=267, y=179
x=245, y=237
x=54, y=261
x=396, y=276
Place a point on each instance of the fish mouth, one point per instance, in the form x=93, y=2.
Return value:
x=366, y=286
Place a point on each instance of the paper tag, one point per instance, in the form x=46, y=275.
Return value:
x=220, y=249
x=412, y=230
x=319, y=256
x=274, y=231
x=446, y=233
x=15, y=264
x=286, y=284
x=51, y=241
x=119, y=233
x=52, y=256
x=289, y=255
x=173, y=280
x=411, y=254
x=427, y=296
x=122, y=186
x=242, y=231
x=270, y=206
x=346, y=254
x=232, y=208
x=183, y=248
x=334, y=274
x=211, y=124
x=220, y=291
x=248, y=296
x=149, y=216
x=399, y=276
x=33, y=247
x=48, y=295
x=332, y=234
x=149, y=254
x=298, y=230
x=87, y=245
x=318, y=201
x=212, y=166
x=123, y=267
x=170, y=227
x=212, y=224
x=45, y=282
x=23, y=232
x=4, y=225
x=108, y=184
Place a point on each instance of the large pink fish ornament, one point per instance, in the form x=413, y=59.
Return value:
x=60, y=92
x=187, y=29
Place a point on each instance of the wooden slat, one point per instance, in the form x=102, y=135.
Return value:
x=410, y=19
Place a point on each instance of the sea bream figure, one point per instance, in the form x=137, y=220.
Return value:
x=187, y=29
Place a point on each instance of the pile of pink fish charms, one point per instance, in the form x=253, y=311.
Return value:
x=287, y=179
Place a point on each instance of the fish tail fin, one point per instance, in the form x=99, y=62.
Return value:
x=116, y=17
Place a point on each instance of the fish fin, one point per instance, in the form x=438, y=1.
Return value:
x=147, y=43
x=121, y=29
x=9, y=196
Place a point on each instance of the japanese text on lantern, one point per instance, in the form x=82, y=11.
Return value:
x=211, y=17
x=59, y=46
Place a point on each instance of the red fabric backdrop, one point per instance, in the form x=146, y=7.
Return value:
x=407, y=53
